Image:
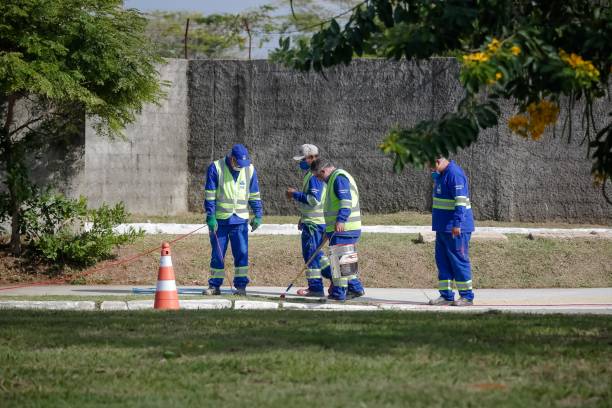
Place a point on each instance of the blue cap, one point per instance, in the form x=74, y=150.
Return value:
x=241, y=154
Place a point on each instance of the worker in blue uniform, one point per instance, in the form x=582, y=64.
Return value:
x=231, y=184
x=312, y=222
x=453, y=222
x=343, y=228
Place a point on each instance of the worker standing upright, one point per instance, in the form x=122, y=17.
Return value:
x=312, y=222
x=343, y=227
x=231, y=184
x=453, y=222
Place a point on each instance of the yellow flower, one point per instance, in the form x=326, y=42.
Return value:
x=494, y=45
x=598, y=178
x=476, y=57
x=498, y=76
x=539, y=116
x=519, y=124
x=584, y=69
x=516, y=50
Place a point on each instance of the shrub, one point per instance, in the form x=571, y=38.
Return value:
x=64, y=231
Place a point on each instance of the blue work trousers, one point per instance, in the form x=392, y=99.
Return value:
x=453, y=261
x=238, y=236
x=312, y=236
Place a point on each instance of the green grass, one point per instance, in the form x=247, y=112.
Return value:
x=303, y=359
x=399, y=218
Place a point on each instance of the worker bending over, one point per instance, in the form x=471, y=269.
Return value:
x=343, y=227
x=310, y=202
x=231, y=184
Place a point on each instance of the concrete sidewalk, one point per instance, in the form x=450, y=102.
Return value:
x=566, y=301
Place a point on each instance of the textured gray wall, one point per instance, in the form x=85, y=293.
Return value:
x=148, y=170
x=272, y=110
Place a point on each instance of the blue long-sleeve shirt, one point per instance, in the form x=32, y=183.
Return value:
x=212, y=181
x=312, y=195
x=342, y=188
x=452, y=185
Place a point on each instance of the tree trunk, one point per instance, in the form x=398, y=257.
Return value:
x=15, y=244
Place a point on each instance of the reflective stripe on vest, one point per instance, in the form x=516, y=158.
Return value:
x=313, y=214
x=450, y=204
x=232, y=197
x=333, y=204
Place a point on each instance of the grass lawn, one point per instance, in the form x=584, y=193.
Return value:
x=303, y=359
x=399, y=218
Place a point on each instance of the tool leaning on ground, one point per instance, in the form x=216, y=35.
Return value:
x=312, y=257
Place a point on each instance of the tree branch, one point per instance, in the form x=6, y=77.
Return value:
x=28, y=123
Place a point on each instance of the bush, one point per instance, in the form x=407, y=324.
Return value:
x=64, y=231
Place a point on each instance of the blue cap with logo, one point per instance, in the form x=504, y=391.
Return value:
x=241, y=154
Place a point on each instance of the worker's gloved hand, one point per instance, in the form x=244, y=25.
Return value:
x=255, y=223
x=211, y=221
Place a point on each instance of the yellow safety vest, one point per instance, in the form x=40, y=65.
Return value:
x=312, y=213
x=333, y=204
x=232, y=197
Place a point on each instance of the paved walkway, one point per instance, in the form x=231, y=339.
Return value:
x=566, y=301
x=290, y=229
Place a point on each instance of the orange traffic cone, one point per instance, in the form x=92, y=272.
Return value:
x=166, y=296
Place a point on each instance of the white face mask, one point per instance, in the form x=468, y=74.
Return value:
x=236, y=168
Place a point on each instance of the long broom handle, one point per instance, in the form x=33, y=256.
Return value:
x=312, y=257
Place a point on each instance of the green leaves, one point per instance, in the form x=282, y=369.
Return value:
x=55, y=227
x=526, y=51
x=420, y=145
x=89, y=52
x=66, y=56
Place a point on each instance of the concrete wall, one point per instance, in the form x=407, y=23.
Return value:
x=159, y=168
x=148, y=170
x=272, y=110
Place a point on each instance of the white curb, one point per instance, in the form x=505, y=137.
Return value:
x=216, y=304
x=329, y=306
x=48, y=305
x=205, y=304
x=113, y=305
x=140, y=304
x=427, y=308
x=554, y=310
x=254, y=305
x=290, y=229
x=401, y=307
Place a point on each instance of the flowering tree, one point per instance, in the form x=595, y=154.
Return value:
x=537, y=53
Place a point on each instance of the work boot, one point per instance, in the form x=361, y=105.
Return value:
x=211, y=291
x=310, y=293
x=352, y=294
x=336, y=298
x=463, y=302
x=440, y=302
x=240, y=292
